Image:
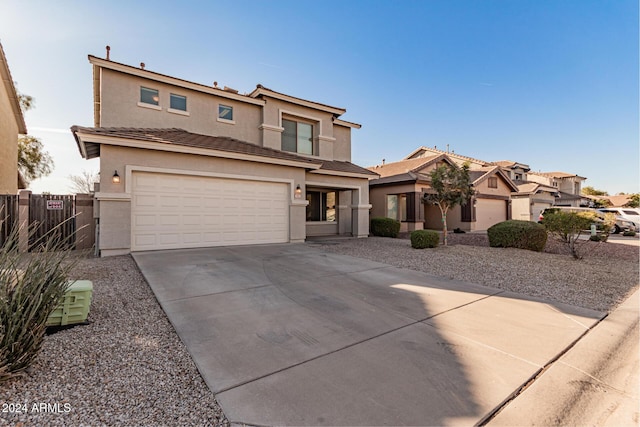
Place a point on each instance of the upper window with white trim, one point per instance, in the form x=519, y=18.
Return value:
x=225, y=112
x=149, y=96
x=178, y=102
x=297, y=137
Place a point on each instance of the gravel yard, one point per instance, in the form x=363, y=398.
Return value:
x=128, y=367
x=602, y=280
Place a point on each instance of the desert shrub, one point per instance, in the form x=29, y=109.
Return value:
x=31, y=287
x=421, y=239
x=568, y=227
x=518, y=234
x=385, y=227
x=459, y=230
x=630, y=233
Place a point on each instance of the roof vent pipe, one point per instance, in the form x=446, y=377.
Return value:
x=142, y=65
x=108, y=49
x=383, y=162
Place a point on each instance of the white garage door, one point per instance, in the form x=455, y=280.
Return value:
x=490, y=212
x=181, y=211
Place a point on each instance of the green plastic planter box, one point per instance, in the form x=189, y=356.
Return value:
x=75, y=305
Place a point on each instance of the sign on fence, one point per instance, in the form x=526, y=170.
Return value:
x=55, y=205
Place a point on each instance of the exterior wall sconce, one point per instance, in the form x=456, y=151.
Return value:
x=116, y=178
x=298, y=193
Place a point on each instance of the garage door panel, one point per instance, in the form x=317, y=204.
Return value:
x=490, y=212
x=174, y=211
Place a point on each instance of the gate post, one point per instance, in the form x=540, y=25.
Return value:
x=23, y=220
x=85, y=230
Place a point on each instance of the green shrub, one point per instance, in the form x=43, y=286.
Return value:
x=385, y=227
x=518, y=234
x=630, y=233
x=31, y=287
x=421, y=239
x=567, y=227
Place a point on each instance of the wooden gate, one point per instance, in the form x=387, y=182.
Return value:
x=8, y=215
x=52, y=216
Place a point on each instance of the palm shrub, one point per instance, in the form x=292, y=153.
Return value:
x=518, y=234
x=385, y=227
x=31, y=287
x=421, y=239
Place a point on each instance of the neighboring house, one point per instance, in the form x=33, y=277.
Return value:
x=556, y=188
x=398, y=192
x=188, y=165
x=514, y=170
x=531, y=199
x=568, y=187
x=11, y=124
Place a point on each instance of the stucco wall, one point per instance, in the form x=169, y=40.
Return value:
x=115, y=215
x=342, y=145
x=8, y=145
x=120, y=95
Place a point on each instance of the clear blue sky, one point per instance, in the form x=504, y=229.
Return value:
x=553, y=84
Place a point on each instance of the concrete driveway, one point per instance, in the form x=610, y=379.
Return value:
x=291, y=335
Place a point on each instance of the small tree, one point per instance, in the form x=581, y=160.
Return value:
x=452, y=186
x=634, y=201
x=33, y=161
x=83, y=183
x=568, y=227
x=590, y=191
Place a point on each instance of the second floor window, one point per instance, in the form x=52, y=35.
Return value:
x=225, y=112
x=178, y=102
x=493, y=182
x=149, y=96
x=297, y=137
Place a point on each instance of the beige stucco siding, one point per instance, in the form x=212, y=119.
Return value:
x=119, y=107
x=115, y=214
x=342, y=145
x=8, y=145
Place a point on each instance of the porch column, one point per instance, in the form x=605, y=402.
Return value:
x=359, y=214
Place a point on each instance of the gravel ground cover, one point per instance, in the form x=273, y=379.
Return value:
x=601, y=281
x=127, y=368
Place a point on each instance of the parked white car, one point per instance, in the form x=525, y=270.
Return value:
x=626, y=214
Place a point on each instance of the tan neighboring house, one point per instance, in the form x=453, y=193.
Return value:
x=398, y=192
x=187, y=165
x=567, y=185
x=531, y=199
x=11, y=125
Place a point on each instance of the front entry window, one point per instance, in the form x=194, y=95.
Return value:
x=397, y=206
x=322, y=206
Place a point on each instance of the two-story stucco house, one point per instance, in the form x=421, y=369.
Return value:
x=11, y=124
x=567, y=185
x=187, y=165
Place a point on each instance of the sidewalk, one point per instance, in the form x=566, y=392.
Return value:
x=595, y=383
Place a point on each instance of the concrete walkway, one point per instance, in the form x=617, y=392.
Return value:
x=595, y=383
x=291, y=335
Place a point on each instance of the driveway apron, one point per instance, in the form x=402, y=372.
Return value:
x=291, y=335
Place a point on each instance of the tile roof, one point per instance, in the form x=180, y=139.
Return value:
x=341, y=166
x=448, y=153
x=402, y=167
x=558, y=175
x=219, y=143
x=183, y=138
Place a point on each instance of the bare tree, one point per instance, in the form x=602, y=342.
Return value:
x=83, y=183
